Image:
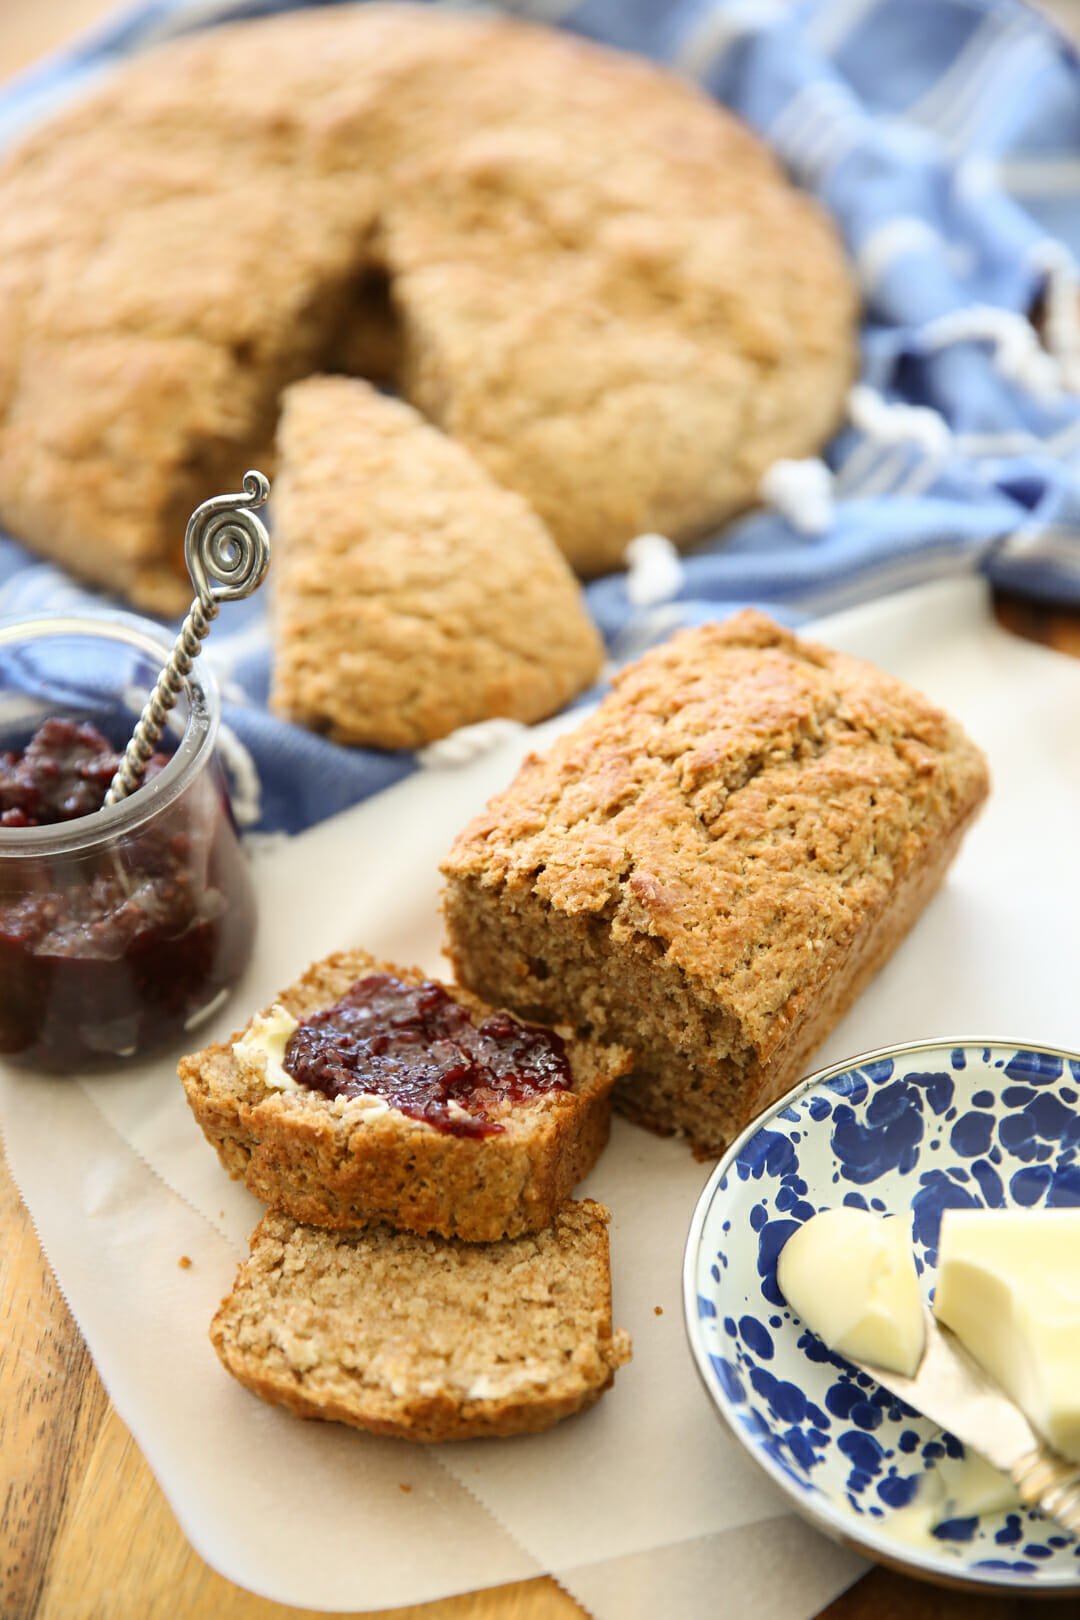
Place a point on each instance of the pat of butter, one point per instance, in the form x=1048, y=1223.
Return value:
x=851, y=1276
x=973, y=1487
x=956, y=1488
x=262, y=1050
x=1009, y=1287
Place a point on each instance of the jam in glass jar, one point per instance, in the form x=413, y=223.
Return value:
x=121, y=927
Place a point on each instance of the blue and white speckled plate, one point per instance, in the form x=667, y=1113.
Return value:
x=907, y=1131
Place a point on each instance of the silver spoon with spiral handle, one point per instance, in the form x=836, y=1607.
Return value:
x=227, y=551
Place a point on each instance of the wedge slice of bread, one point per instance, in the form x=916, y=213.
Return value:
x=425, y=1338
x=349, y=1161
x=412, y=594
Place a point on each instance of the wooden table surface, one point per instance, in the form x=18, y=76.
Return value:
x=85, y=1533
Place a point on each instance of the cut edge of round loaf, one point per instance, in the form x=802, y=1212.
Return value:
x=339, y=1164
x=425, y=1339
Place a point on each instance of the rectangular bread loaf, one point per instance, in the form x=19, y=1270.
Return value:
x=714, y=864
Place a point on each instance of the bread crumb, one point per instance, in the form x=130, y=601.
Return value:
x=184, y=1262
x=658, y=1310
x=404, y=1487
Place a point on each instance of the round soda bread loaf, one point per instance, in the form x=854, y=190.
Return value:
x=412, y=594
x=426, y=1338
x=567, y=258
x=351, y=1161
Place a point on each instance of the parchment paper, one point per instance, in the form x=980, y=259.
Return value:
x=642, y=1505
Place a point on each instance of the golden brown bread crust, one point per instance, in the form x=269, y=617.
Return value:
x=570, y=260
x=412, y=594
x=424, y=1338
x=714, y=863
x=335, y=1164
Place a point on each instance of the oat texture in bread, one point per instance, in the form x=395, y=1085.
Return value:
x=714, y=864
x=426, y=1338
x=412, y=594
x=568, y=259
x=349, y=1161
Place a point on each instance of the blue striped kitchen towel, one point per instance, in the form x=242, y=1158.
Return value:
x=944, y=137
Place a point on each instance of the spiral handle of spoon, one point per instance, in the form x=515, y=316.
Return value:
x=227, y=550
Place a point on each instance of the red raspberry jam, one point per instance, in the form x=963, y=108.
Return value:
x=63, y=773
x=415, y=1046
x=113, y=949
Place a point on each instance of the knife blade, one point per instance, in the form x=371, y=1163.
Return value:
x=951, y=1389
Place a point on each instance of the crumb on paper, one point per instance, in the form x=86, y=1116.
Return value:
x=404, y=1487
x=184, y=1262
x=658, y=1310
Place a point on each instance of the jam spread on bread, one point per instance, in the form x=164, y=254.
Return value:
x=417, y=1048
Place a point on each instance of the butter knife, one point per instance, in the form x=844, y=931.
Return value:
x=951, y=1388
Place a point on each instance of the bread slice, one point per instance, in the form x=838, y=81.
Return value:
x=425, y=1338
x=350, y=1161
x=412, y=594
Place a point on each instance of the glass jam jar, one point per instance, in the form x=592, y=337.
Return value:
x=123, y=929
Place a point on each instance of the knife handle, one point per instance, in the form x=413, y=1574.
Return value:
x=1049, y=1483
